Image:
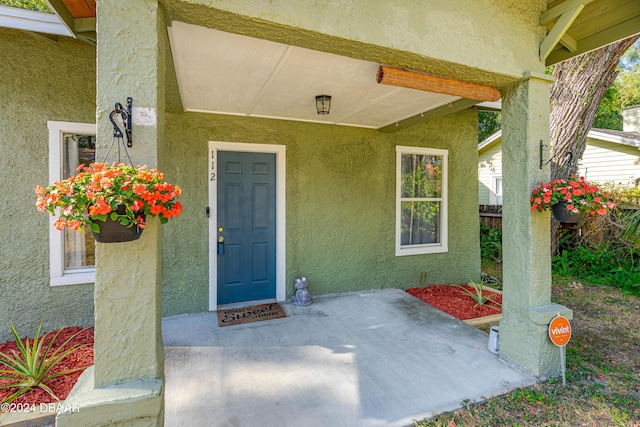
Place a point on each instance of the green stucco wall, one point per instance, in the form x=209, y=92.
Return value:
x=340, y=191
x=40, y=80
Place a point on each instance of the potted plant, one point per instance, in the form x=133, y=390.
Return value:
x=570, y=199
x=113, y=200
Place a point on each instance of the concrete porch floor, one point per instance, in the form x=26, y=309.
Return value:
x=380, y=358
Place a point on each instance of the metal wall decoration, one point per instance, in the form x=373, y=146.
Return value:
x=568, y=156
x=125, y=114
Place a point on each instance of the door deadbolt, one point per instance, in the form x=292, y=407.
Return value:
x=220, y=229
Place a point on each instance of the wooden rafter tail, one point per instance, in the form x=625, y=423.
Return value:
x=429, y=83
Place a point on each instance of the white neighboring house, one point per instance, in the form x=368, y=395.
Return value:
x=610, y=156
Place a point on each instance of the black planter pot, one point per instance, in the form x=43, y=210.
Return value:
x=561, y=214
x=114, y=232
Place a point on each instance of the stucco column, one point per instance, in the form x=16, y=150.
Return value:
x=125, y=386
x=527, y=307
x=128, y=340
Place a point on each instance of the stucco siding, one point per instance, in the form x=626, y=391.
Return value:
x=605, y=161
x=489, y=168
x=393, y=33
x=340, y=191
x=40, y=80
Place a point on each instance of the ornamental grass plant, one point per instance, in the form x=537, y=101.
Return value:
x=577, y=194
x=34, y=362
x=124, y=193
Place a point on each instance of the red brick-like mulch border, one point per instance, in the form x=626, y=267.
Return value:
x=454, y=301
x=61, y=386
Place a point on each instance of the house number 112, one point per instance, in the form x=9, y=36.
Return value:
x=213, y=165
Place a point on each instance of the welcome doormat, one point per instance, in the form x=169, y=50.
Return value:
x=254, y=313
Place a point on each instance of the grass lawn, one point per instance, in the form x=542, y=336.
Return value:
x=603, y=370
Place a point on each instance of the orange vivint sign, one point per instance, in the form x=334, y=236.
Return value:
x=560, y=331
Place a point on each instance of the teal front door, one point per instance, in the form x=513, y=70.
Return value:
x=246, y=229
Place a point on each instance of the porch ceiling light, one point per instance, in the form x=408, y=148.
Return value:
x=323, y=103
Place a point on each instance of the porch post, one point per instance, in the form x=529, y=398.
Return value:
x=527, y=307
x=126, y=384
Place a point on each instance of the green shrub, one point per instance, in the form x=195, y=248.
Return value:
x=605, y=249
x=490, y=244
x=602, y=266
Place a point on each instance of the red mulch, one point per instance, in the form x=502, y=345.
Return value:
x=61, y=386
x=454, y=301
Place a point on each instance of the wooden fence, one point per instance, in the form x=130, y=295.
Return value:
x=491, y=216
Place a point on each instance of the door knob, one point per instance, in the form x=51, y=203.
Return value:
x=220, y=245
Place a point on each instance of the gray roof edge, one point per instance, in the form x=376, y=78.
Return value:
x=29, y=20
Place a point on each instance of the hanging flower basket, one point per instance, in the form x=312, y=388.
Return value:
x=570, y=199
x=111, y=231
x=114, y=201
x=562, y=214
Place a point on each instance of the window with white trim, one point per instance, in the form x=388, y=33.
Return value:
x=71, y=253
x=496, y=193
x=421, y=200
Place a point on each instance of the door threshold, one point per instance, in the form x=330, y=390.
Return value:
x=245, y=303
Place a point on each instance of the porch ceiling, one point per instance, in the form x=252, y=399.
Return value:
x=225, y=73
x=597, y=24
x=231, y=74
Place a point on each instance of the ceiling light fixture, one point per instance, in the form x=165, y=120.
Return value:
x=323, y=103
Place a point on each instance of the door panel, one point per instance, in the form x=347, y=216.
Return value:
x=247, y=214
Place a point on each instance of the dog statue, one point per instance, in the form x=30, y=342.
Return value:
x=302, y=295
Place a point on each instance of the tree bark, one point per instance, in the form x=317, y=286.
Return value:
x=575, y=95
x=580, y=85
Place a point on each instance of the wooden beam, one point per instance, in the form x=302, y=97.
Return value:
x=561, y=9
x=84, y=25
x=413, y=80
x=598, y=40
x=559, y=29
x=90, y=37
x=569, y=43
x=461, y=104
x=566, y=40
x=60, y=9
x=86, y=30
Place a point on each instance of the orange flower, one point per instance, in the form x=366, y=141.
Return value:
x=173, y=212
x=40, y=190
x=575, y=191
x=100, y=208
x=98, y=186
x=139, y=189
x=106, y=182
x=41, y=204
x=137, y=205
x=74, y=224
x=157, y=209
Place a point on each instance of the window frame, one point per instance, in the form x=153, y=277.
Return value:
x=428, y=248
x=494, y=190
x=57, y=274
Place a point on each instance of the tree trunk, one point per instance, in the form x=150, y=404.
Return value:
x=580, y=86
